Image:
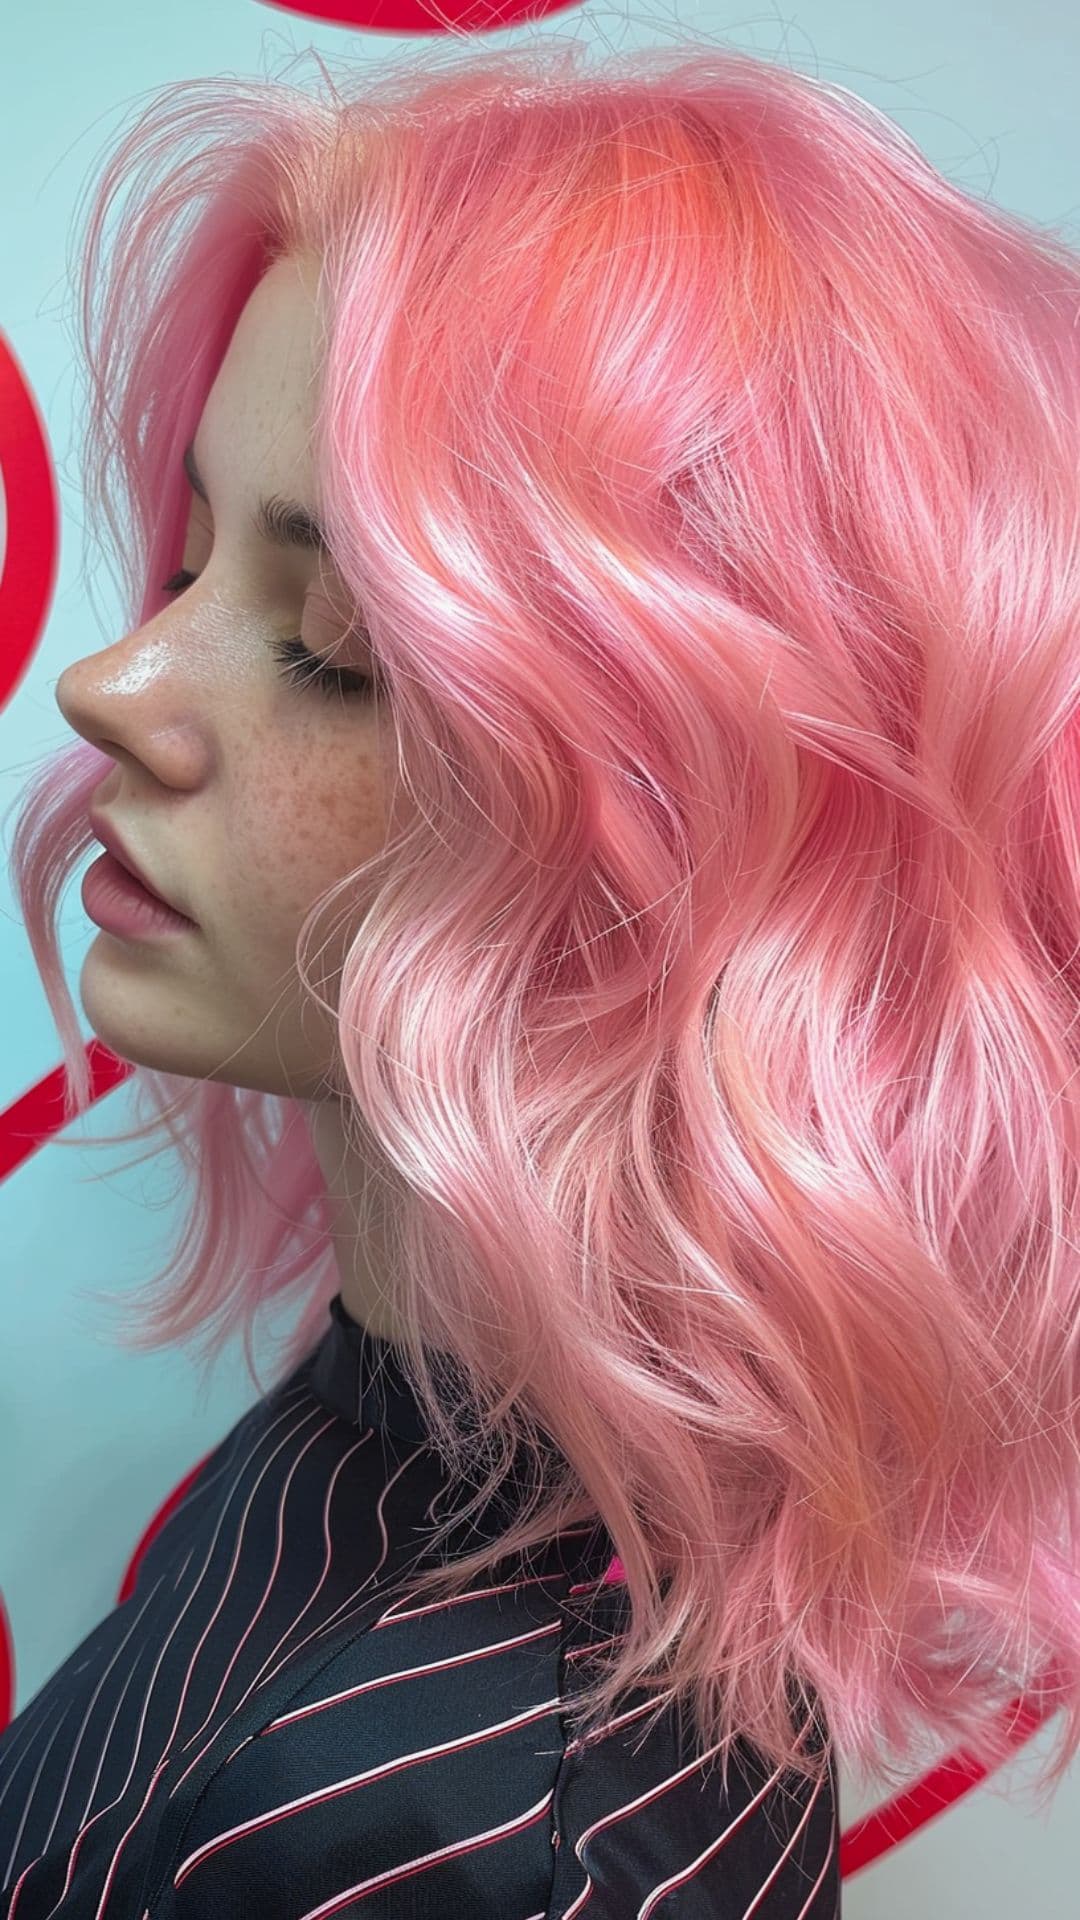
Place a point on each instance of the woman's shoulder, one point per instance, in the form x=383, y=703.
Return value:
x=432, y=1765
x=413, y=1768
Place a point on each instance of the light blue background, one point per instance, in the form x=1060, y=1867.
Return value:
x=92, y=1439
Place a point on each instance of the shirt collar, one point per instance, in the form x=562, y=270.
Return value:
x=362, y=1377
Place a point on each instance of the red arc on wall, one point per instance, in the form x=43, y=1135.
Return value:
x=30, y=547
x=412, y=16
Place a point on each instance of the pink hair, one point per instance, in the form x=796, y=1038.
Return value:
x=705, y=465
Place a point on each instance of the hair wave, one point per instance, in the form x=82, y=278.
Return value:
x=705, y=465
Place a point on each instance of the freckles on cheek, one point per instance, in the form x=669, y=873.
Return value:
x=269, y=845
x=344, y=804
x=333, y=823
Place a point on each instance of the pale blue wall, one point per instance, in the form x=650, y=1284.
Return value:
x=93, y=1439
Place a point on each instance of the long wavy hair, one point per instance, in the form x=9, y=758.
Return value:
x=705, y=467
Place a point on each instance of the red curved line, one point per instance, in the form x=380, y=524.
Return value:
x=889, y=1825
x=7, y=1666
x=30, y=553
x=37, y=1114
x=477, y=17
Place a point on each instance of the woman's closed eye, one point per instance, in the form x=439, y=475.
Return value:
x=303, y=668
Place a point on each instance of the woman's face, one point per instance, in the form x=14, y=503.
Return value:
x=241, y=792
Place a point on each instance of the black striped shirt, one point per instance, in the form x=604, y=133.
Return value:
x=263, y=1729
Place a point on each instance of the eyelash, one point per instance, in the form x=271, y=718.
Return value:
x=303, y=668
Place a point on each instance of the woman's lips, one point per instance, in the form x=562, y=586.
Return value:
x=113, y=843
x=120, y=903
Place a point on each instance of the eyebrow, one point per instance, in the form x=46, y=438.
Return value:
x=283, y=522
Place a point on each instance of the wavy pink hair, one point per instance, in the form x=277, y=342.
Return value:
x=705, y=465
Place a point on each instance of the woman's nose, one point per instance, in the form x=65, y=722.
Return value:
x=133, y=698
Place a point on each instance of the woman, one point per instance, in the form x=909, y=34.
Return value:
x=602, y=569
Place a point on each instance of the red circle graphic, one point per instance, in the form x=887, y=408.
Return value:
x=30, y=551
x=413, y=16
